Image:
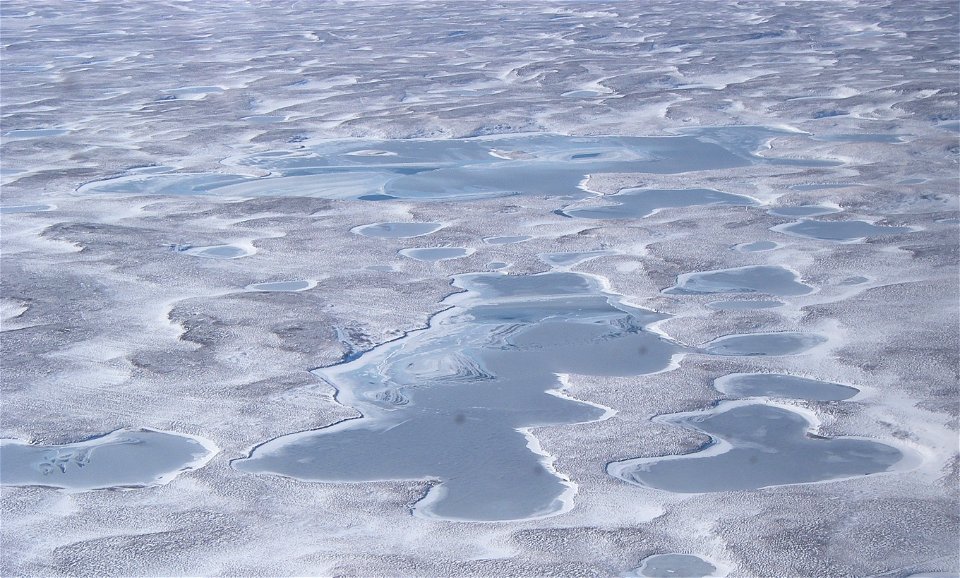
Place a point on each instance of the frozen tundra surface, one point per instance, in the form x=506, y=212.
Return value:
x=147, y=311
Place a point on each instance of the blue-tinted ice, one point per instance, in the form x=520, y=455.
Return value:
x=564, y=260
x=25, y=209
x=674, y=566
x=768, y=279
x=803, y=211
x=433, y=254
x=784, y=386
x=280, y=286
x=451, y=403
x=639, y=203
x=121, y=459
x=843, y=231
x=754, y=446
x=508, y=240
x=397, y=230
x=744, y=305
x=822, y=186
x=759, y=344
x=214, y=251
x=537, y=164
x=35, y=133
x=757, y=246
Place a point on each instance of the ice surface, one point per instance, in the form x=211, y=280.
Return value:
x=397, y=230
x=802, y=211
x=843, y=231
x=452, y=403
x=757, y=246
x=450, y=169
x=214, y=251
x=768, y=279
x=675, y=565
x=744, y=305
x=755, y=446
x=436, y=253
x=507, y=240
x=639, y=203
x=25, y=209
x=784, y=386
x=34, y=133
x=121, y=459
x=781, y=343
x=570, y=259
x=282, y=286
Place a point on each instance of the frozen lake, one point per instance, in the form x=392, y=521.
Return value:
x=121, y=459
x=454, y=402
x=755, y=446
x=450, y=169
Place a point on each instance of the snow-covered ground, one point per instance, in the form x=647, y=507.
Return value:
x=112, y=319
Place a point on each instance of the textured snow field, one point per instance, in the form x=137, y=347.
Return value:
x=112, y=317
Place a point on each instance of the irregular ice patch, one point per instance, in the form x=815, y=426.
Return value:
x=761, y=344
x=434, y=254
x=756, y=246
x=215, y=251
x=768, y=279
x=396, y=230
x=121, y=459
x=639, y=203
x=803, y=211
x=26, y=209
x=744, y=305
x=283, y=286
x=539, y=164
x=454, y=403
x=755, y=445
x=840, y=231
x=783, y=386
x=675, y=566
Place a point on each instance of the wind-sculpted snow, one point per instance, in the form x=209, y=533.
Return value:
x=202, y=200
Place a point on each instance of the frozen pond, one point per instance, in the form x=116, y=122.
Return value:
x=757, y=246
x=25, y=209
x=299, y=285
x=754, y=446
x=564, y=260
x=530, y=164
x=768, y=279
x=843, y=231
x=803, y=211
x=34, y=133
x=433, y=254
x=743, y=305
x=639, y=203
x=214, y=251
x=121, y=459
x=454, y=402
x=674, y=566
x=784, y=386
x=397, y=230
x=780, y=343
x=508, y=240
